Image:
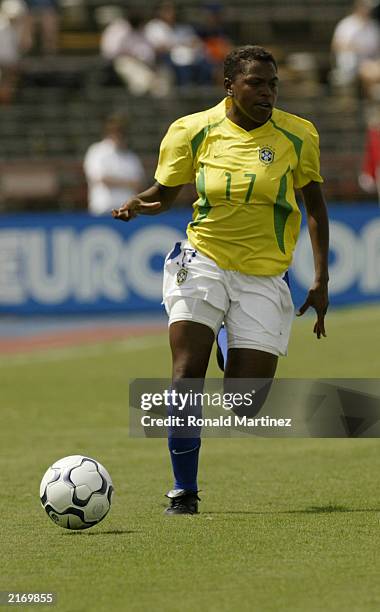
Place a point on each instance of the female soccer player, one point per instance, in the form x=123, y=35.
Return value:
x=246, y=158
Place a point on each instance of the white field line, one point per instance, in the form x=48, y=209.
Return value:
x=83, y=352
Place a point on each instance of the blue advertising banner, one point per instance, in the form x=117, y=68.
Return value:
x=73, y=263
x=354, y=256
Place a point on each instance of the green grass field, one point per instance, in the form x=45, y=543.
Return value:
x=285, y=524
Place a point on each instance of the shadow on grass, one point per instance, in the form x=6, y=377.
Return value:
x=329, y=509
x=99, y=533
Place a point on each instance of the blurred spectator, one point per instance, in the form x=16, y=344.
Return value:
x=178, y=46
x=43, y=18
x=356, y=40
x=212, y=31
x=113, y=172
x=370, y=69
x=160, y=30
x=124, y=43
x=12, y=15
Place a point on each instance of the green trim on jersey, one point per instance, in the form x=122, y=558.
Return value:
x=246, y=216
x=197, y=140
x=281, y=210
x=297, y=142
x=204, y=206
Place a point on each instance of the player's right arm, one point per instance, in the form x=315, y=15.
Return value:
x=152, y=201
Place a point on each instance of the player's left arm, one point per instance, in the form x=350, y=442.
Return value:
x=318, y=224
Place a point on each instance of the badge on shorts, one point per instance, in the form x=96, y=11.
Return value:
x=266, y=155
x=181, y=276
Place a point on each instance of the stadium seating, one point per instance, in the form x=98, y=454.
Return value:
x=61, y=103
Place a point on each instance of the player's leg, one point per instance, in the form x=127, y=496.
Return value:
x=250, y=363
x=191, y=343
x=242, y=366
x=195, y=300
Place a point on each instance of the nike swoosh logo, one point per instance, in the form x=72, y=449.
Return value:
x=184, y=452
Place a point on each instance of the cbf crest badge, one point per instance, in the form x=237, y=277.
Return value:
x=181, y=276
x=266, y=155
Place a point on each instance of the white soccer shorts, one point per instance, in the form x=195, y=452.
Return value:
x=257, y=311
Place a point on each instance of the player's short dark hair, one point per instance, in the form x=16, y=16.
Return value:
x=235, y=61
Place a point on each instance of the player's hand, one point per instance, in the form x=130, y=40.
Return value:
x=134, y=207
x=319, y=300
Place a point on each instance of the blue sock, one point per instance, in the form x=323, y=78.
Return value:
x=184, y=453
x=184, y=443
x=222, y=343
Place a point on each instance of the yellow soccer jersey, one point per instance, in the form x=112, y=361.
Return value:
x=246, y=216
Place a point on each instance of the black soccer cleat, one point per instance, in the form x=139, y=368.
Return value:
x=182, y=502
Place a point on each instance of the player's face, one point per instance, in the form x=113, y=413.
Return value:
x=255, y=90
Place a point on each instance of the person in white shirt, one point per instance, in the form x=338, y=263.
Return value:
x=355, y=41
x=113, y=172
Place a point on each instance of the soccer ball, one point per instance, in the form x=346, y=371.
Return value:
x=76, y=492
